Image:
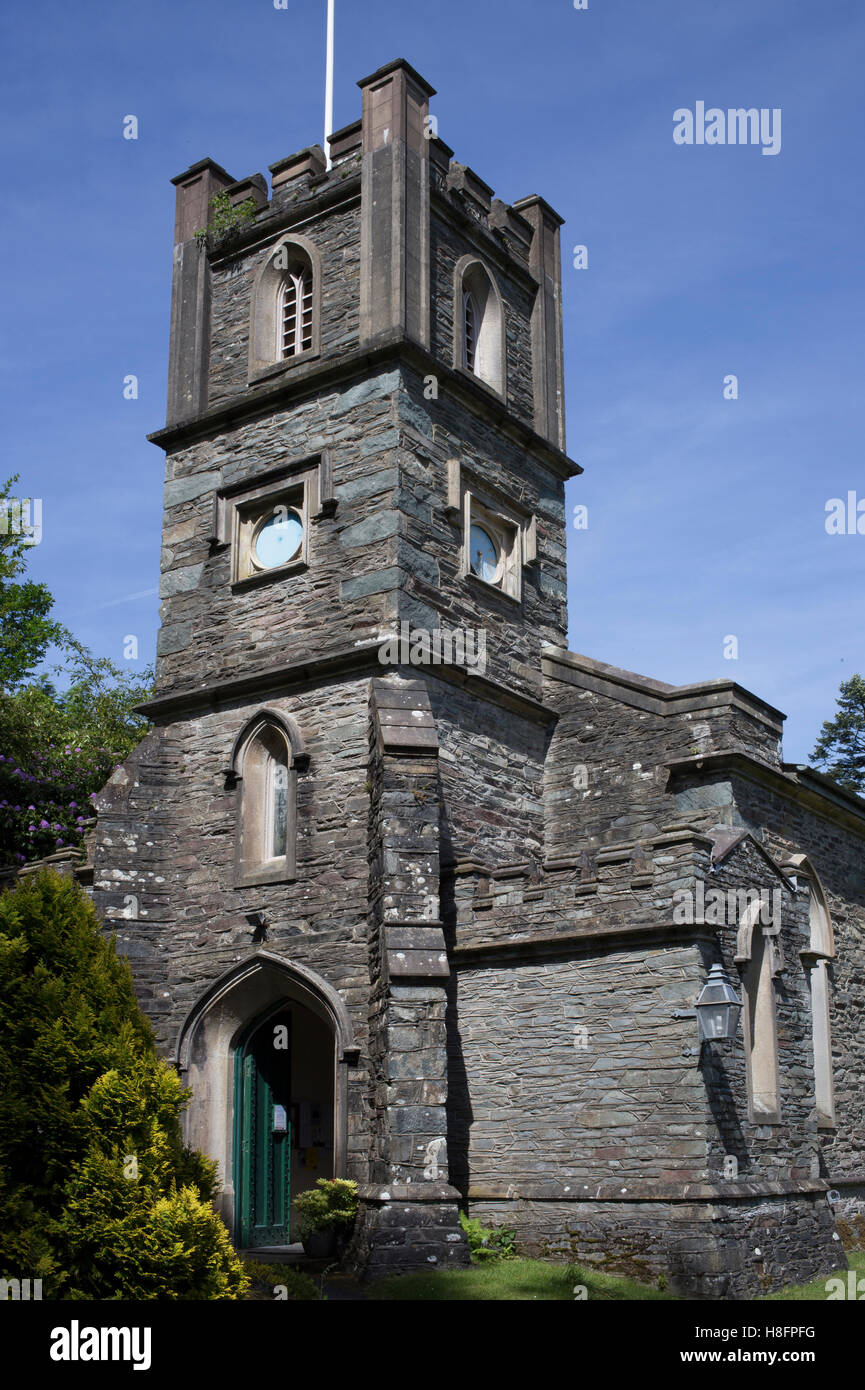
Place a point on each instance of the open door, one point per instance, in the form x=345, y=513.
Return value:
x=262, y=1081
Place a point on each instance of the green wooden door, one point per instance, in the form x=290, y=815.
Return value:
x=262, y=1079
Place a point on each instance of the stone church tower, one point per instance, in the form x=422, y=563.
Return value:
x=400, y=878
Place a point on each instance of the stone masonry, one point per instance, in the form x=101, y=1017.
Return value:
x=482, y=900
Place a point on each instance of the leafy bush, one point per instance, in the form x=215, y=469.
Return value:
x=226, y=220
x=294, y=1287
x=330, y=1205
x=98, y=1195
x=488, y=1242
x=57, y=747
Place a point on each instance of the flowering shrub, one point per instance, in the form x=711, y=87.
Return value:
x=45, y=806
x=57, y=750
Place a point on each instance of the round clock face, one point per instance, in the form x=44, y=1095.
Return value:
x=278, y=539
x=483, y=554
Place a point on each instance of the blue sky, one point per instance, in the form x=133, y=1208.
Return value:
x=706, y=515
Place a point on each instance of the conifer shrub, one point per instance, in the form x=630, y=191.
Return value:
x=329, y=1206
x=98, y=1194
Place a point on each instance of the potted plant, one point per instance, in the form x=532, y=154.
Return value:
x=327, y=1213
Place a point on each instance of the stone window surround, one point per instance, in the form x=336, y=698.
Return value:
x=472, y=275
x=265, y=358
x=247, y=776
x=816, y=960
x=513, y=527
x=761, y=1048
x=303, y=485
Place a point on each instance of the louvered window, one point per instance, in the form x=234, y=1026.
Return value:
x=470, y=326
x=295, y=311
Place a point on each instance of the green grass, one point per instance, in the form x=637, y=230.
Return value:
x=523, y=1280
x=815, y=1292
x=517, y=1280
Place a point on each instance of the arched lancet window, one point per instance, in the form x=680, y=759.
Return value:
x=761, y=1033
x=295, y=310
x=479, y=315
x=759, y=952
x=264, y=771
x=285, y=320
x=470, y=330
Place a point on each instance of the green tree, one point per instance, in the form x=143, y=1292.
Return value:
x=61, y=734
x=840, y=748
x=98, y=1195
x=59, y=747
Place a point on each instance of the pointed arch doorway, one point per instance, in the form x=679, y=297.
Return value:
x=266, y=1052
x=263, y=1133
x=283, y=1117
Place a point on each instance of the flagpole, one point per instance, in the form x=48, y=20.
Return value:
x=328, y=85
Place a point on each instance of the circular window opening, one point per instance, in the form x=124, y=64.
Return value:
x=483, y=554
x=277, y=539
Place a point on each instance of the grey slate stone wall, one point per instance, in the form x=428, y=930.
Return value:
x=337, y=236
x=448, y=244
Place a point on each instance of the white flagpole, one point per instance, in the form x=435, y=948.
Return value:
x=328, y=85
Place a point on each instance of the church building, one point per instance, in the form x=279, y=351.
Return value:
x=412, y=893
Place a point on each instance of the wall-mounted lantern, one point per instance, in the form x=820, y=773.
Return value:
x=717, y=1009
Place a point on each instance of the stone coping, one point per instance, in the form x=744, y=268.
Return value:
x=382, y=1193
x=396, y=65
x=656, y=696
x=645, y=1190
x=790, y=780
